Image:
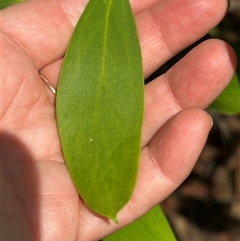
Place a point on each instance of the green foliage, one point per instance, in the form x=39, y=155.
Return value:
x=228, y=102
x=100, y=106
x=6, y=3
x=153, y=226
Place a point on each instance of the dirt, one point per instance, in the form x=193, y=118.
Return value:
x=206, y=207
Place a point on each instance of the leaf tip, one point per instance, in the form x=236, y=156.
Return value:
x=114, y=219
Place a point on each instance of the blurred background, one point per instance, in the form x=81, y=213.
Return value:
x=206, y=207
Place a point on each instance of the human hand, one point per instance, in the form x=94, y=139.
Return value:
x=39, y=200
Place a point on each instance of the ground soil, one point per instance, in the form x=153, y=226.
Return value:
x=206, y=207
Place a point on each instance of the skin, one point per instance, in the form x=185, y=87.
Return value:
x=39, y=200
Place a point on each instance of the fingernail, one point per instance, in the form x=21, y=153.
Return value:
x=211, y=119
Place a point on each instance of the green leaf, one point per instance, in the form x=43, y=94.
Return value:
x=6, y=3
x=100, y=106
x=228, y=102
x=153, y=226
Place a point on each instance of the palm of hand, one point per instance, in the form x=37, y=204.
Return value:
x=39, y=197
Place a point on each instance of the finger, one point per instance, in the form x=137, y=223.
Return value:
x=170, y=26
x=164, y=165
x=43, y=28
x=19, y=74
x=164, y=28
x=195, y=81
x=26, y=110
